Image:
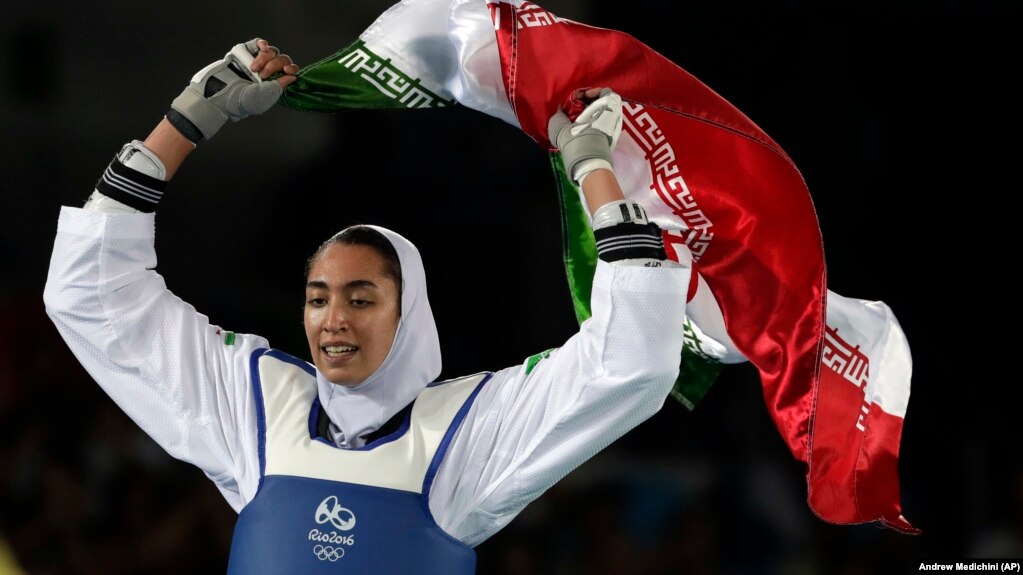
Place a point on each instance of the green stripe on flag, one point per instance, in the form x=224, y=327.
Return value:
x=358, y=78
x=697, y=369
x=579, y=249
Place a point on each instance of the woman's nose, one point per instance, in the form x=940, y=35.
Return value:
x=336, y=319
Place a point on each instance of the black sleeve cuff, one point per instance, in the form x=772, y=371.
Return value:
x=130, y=187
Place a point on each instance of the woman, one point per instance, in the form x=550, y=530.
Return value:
x=360, y=461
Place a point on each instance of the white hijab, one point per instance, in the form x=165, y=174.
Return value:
x=411, y=364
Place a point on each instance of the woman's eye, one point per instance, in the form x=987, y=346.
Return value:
x=360, y=302
x=316, y=302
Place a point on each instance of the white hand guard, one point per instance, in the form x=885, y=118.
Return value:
x=224, y=90
x=586, y=145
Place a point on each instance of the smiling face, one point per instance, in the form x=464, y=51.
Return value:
x=351, y=314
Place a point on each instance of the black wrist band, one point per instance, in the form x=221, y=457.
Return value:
x=629, y=241
x=184, y=125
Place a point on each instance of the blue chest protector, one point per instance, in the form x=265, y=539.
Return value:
x=322, y=509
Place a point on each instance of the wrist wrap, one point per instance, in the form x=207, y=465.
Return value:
x=623, y=232
x=629, y=241
x=129, y=186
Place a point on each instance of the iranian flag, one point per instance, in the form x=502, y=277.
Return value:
x=835, y=371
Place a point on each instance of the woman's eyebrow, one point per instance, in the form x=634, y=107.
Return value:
x=360, y=283
x=320, y=284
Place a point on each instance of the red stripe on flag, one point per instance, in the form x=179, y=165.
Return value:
x=854, y=473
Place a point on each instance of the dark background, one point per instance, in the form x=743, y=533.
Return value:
x=900, y=119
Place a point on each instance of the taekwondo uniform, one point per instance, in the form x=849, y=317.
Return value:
x=317, y=486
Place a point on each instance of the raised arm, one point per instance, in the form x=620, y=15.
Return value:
x=621, y=229
x=534, y=423
x=194, y=117
x=181, y=379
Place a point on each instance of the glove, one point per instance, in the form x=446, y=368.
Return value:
x=587, y=143
x=225, y=90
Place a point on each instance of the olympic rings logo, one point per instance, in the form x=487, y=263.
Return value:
x=328, y=553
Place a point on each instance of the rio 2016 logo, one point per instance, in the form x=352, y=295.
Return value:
x=331, y=511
